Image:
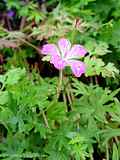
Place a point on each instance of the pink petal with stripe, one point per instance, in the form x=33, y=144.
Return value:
x=78, y=67
x=58, y=62
x=77, y=51
x=50, y=49
x=64, y=46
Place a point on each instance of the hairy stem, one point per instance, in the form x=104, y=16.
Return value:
x=59, y=83
x=65, y=101
x=45, y=119
x=30, y=44
x=69, y=98
x=22, y=24
x=8, y=24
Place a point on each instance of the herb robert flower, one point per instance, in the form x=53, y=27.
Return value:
x=63, y=55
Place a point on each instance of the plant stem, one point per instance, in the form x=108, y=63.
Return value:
x=30, y=44
x=69, y=98
x=69, y=95
x=23, y=20
x=2, y=87
x=116, y=140
x=91, y=80
x=107, y=152
x=59, y=83
x=73, y=35
x=45, y=119
x=65, y=101
x=9, y=24
x=91, y=157
x=96, y=80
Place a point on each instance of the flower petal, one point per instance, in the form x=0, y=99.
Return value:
x=64, y=46
x=77, y=51
x=78, y=67
x=58, y=62
x=50, y=49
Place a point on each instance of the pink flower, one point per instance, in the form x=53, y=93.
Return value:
x=64, y=55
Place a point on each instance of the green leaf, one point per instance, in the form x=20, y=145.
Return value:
x=2, y=79
x=109, y=133
x=14, y=75
x=4, y=97
x=13, y=4
x=110, y=70
x=94, y=66
x=100, y=48
x=56, y=111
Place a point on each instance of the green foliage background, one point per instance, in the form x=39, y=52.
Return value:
x=84, y=123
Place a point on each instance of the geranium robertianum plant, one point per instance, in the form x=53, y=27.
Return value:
x=63, y=55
